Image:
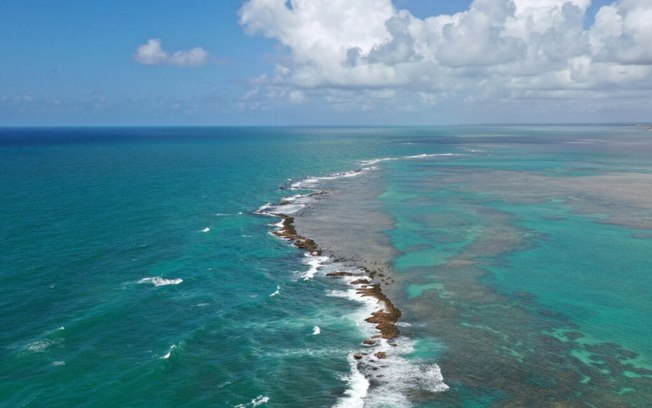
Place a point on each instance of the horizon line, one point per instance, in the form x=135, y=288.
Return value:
x=124, y=126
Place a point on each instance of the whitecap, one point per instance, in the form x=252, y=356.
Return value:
x=277, y=292
x=206, y=229
x=261, y=399
x=58, y=363
x=169, y=353
x=159, y=281
x=256, y=402
x=316, y=330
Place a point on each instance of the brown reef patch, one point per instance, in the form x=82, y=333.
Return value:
x=361, y=282
x=288, y=231
x=384, y=319
x=338, y=274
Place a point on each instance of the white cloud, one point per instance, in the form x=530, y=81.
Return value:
x=496, y=49
x=623, y=32
x=152, y=53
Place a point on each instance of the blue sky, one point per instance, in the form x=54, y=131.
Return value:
x=259, y=62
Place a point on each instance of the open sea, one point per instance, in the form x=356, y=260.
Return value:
x=142, y=267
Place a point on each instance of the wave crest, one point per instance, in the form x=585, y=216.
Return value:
x=159, y=281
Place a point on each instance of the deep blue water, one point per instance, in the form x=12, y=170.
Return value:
x=136, y=272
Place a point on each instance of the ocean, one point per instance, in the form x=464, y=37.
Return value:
x=464, y=266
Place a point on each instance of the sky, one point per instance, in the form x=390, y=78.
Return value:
x=324, y=62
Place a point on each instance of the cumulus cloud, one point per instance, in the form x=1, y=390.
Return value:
x=623, y=33
x=152, y=53
x=494, y=49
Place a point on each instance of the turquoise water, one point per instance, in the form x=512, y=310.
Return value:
x=136, y=271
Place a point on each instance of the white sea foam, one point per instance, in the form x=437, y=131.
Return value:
x=293, y=198
x=262, y=210
x=58, y=363
x=291, y=205
x=48, y=339
x=401, y=379
x=277, y=292
x=256, y=402
x=335, y=176
x=358, y=387
x=315, y=263
x=159, y=281
x=40, y=345
x=424, y=155
x=206, y=229
x=368, y=305
x=306, y=183
x=288, y=205
x=417, y=156
x=295, y=203
x=310, y=182
x=376, y=161
x=324, y=352
x=398, y=377
x=169, y=353
x=261, y=399
x=288, y=209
